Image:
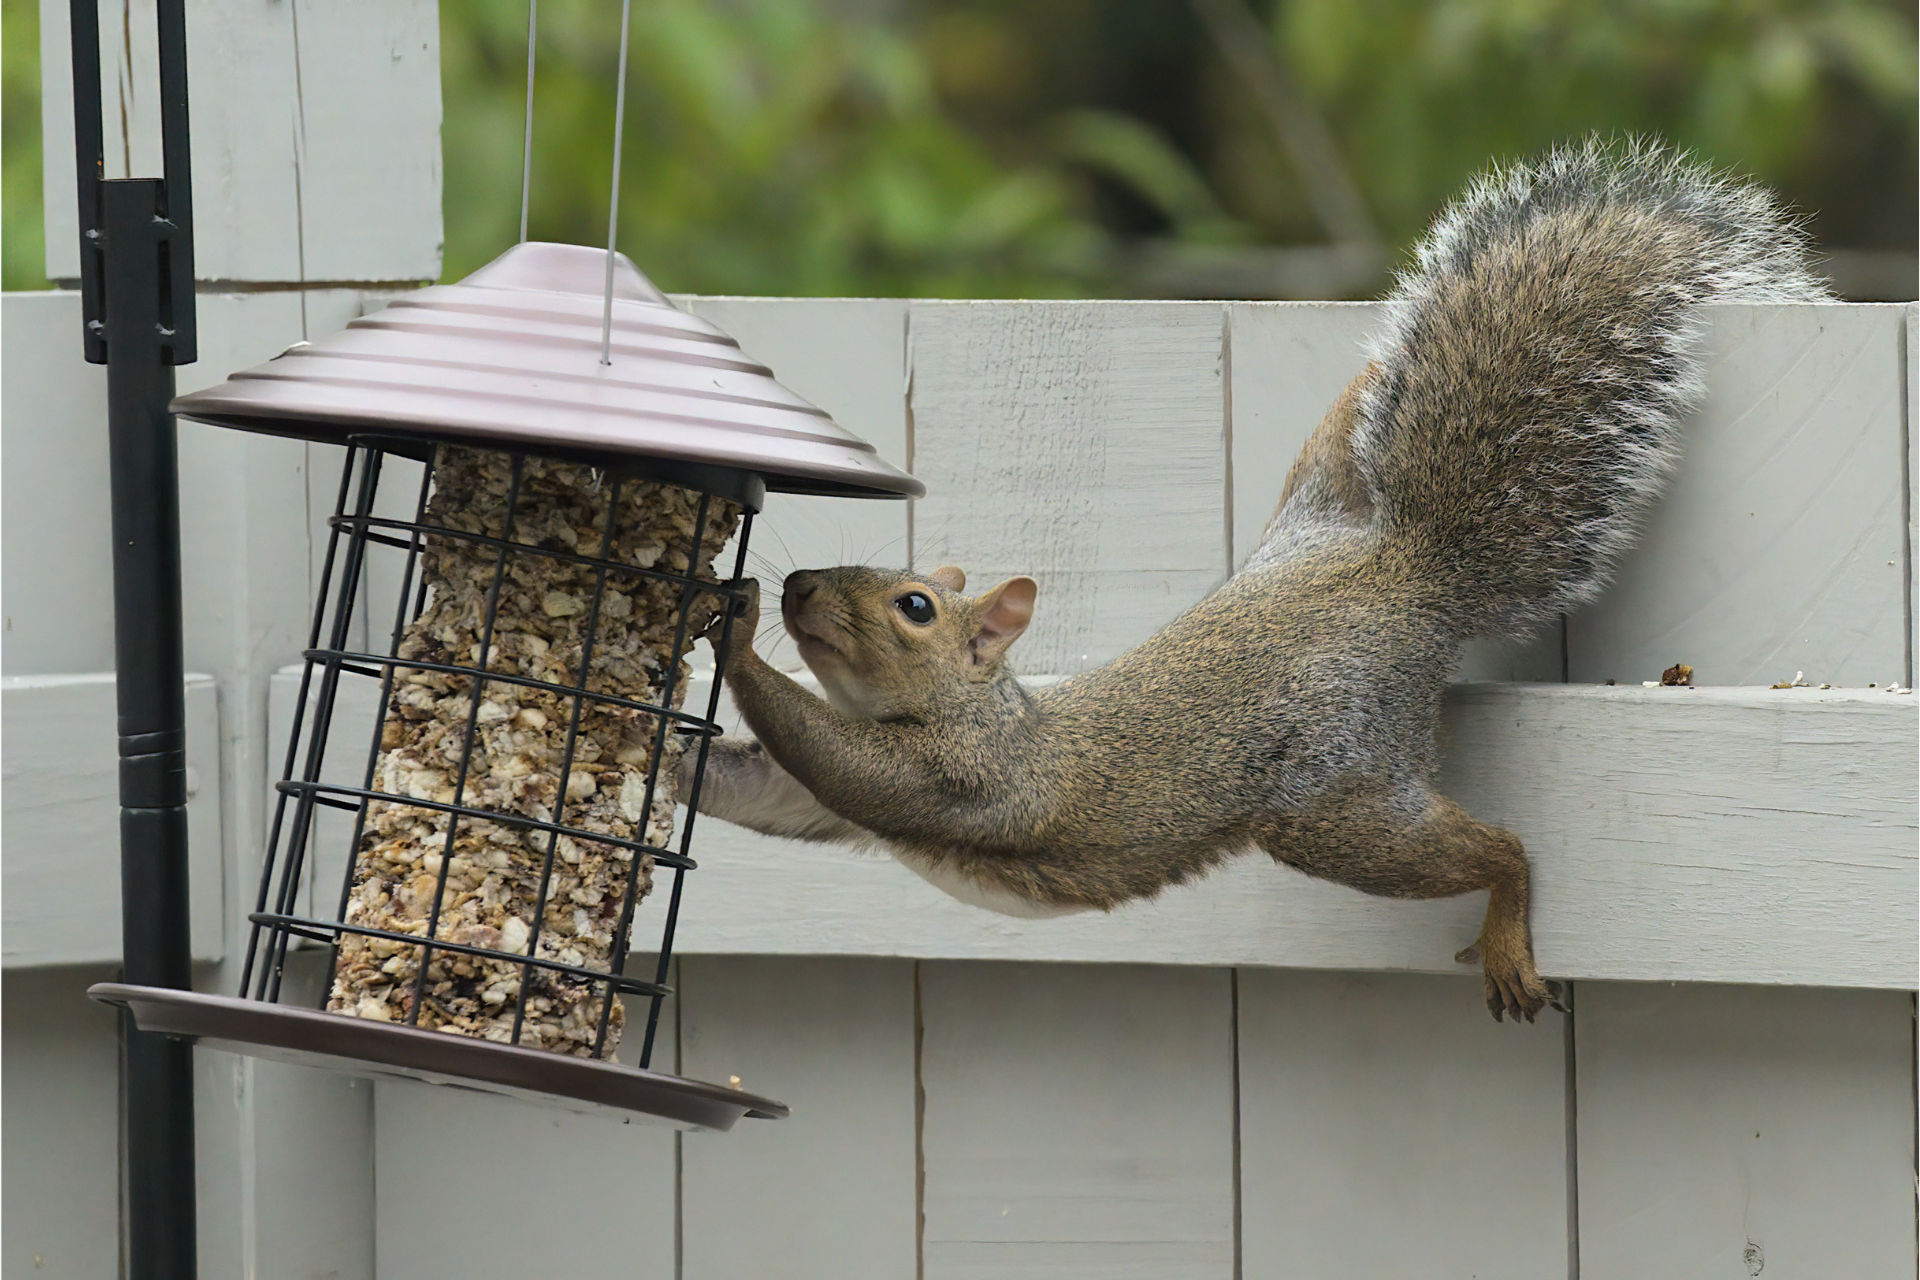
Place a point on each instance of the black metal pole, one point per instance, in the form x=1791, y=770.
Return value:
x=137, y=274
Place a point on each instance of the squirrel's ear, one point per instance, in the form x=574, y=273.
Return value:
x=951, y=577
x=1003, y=613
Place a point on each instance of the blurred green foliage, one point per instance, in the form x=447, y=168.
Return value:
x=1022, y=147
x=1816, y=97
x=770, y=147
x=22, y=249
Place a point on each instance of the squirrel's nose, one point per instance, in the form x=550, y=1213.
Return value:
x=800, y=585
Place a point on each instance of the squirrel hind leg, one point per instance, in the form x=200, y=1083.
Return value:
x=1374, y=841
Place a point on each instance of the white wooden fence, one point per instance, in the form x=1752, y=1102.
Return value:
x=1258, y=1076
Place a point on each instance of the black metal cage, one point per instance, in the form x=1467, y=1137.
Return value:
x=351, y=607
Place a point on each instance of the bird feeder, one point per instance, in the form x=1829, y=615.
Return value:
x=512, y=814
x=577, y=455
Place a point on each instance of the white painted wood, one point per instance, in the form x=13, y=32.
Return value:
x=1079, y=443
x=1287, y=363
x=61, y=870
x=58, y=188
x=1780, y=546
x=1389, y=1127
x=1763, y=836
x=848, y=356
x=1909, y=372
x=1078, y=1121
x=58, y=565
x=533, y=1190
x=484, y=1187
x=1726, y=835
x=61, y=1163
x=830, y=1190
x=368, y=138
x=286, y=1170
x=316, y=148
x=1740, y=1131
x=55, y=541
x=296, y=1192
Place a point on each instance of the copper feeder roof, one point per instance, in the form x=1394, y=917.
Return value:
x=510, y=357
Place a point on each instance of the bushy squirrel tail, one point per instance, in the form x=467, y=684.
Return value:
x=1538, y=359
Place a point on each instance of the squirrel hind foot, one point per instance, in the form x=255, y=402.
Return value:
x=1515, y=988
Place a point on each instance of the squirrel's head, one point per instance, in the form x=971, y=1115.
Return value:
x=883, y=641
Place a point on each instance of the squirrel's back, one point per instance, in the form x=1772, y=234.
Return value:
x=1525, y=397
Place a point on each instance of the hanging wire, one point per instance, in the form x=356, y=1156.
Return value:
x=526, y=145
x=613, y=197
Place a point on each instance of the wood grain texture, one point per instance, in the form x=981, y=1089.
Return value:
x=1726, y=835
x=56, y=545
x=1079, y=443
x=1287, y=363
x=830, y=1190
x=1730, y=1131
x=1078, y=1121
x=61, y=1139
x=316, y=148
x=497, y=1189
x=1732, y=835
x=482, y=1186
x=1388, y=1127
x=286, y=1170
x=368, y=138
x=1763, y=836
x=848, y=356
x=1909, y=372
x=1780, y=546
x=61, y=797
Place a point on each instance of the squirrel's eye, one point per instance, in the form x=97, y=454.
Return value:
x=916, y=606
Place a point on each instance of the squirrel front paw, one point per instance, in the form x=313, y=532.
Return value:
x=745, y=613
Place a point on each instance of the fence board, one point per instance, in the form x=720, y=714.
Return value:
x=1079, y=443
x=1727, y=835
x=1908, y=372
x=1673, y=829
x=316, y=143
x=848, y=356
x=57, y=543
x=476, y=1184
x=61, y=1140
x=1781, y=545
x=1736, y=1131
x=62, y=811
x=1078, y=1121
x=367, y=139
x=1395, y=1096
x=830, y=1190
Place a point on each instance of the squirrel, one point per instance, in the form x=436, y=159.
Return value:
x=1520, y=410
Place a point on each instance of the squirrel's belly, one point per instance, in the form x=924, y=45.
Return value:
x=956, y=884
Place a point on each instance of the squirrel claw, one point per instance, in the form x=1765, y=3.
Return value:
x=743, y=611
x=1517, y=995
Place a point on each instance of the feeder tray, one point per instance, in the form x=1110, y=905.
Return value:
x=309, y=1038
x=509, y=362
